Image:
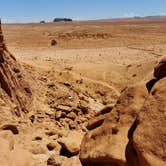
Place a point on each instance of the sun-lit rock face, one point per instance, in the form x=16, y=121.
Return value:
x=149, y=139
x=14, y=88
x=109, y=143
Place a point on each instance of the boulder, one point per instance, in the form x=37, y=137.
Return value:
x=73, y=161
x=95, y=122
x=71, y=115
x=149, y=139
x=56, y=160
x=51, y=146
x=71, y=143
x=106, y=144
x=38, y=148
x=64, y=108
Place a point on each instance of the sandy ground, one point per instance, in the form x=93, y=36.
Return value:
x=118, y=66
x=92, y=56
x=115, y=53
x=98, y=58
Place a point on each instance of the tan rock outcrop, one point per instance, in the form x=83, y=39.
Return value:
x=12, y=81
x=14, y=157
x=72, y=142
x=73, y=161
x=107, y=144
x=149, y=138
x=134, y=133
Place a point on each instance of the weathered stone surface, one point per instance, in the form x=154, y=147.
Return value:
x=8, y=136
x=17, y=89
x=10, y=127
x=72, y=142
x=149, y=138
x=95, y=122
x=56, y=160
x=38, y=148
x=107, y=143
x=21, y=157
x=71, y=115
x=13, y=157
x=73, y=161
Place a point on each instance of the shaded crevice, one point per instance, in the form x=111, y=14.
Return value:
x=131, y=154
x=4, y=84
x=16, y=89
x=1, y=57
x=10, y=127
x=103, y=162
x=66, y=153
x=95, y=124
x=150, y=84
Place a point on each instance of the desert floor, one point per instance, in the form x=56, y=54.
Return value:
x=113, y=53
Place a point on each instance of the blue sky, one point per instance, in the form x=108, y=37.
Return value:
x=36, y=10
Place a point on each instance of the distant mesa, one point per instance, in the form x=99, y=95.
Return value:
x=137, y=17
x=62, y=20
x=42, y=22
x=157, y=17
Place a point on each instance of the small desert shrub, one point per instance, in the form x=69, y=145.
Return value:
x=53, y=42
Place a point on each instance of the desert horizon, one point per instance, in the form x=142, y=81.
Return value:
x=161, y=17
x=82, y=92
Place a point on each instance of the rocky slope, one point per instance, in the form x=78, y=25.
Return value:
x=16, y=101
x=13, y=83
x=43, y=119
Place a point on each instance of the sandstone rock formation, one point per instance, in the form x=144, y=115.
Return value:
x=13, y=156
x=134, y=133
x=107, y=143
x=149, y=139
x=15, y=102
x=14, y=88
x=71, y=143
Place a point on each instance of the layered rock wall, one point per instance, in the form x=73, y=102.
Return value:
x=14, y=88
